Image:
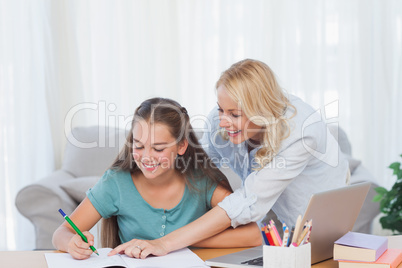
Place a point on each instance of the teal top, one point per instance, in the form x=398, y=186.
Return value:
x=116, y=195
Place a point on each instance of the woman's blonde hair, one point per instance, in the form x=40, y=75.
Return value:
x=253, y=85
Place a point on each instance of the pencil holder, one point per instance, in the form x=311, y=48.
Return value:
x=287, y=257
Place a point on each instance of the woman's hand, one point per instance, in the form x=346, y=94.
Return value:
x=140, y=249
x=79, y=249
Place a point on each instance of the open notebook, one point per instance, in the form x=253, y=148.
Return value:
x=333, y=212
x=182, y=258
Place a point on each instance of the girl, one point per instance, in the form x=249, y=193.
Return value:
x=278, y=145
x=161, y=181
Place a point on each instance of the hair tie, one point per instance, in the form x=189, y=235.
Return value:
x=183, y=110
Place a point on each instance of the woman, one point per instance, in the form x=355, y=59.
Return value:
x=276, y=143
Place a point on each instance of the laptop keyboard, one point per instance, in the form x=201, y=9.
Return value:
x=256, y=262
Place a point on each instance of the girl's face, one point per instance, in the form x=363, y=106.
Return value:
x=155, y=149
x=238, y=127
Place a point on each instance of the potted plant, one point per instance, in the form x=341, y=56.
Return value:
x=391, y=202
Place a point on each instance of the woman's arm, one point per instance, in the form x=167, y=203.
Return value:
x=248, y=235
x=243, y=236
x=85, y=216
x=209, y=224
x=210, y=230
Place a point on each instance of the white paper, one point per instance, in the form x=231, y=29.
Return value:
x=183, y=258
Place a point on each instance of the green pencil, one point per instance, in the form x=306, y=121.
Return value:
x=77, y=230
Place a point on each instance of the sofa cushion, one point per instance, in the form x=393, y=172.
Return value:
x=91, y=150
x=341, y=137
x=77, y=187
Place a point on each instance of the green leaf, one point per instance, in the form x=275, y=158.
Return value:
x=395, y=167
x=391, y=222
x=381, y=190
x=391, y=201
x=377, y=198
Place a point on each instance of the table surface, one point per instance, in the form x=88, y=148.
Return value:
x=36, y=259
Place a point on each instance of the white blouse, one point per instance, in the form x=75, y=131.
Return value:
x=308, y=161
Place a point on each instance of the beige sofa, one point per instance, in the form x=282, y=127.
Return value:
x=90, y=151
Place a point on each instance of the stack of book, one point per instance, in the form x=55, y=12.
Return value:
x=365, y=250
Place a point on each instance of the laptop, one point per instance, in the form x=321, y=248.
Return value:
x=333, y=212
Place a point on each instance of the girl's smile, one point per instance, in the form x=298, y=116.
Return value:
x=155, y=149
x=150, y=167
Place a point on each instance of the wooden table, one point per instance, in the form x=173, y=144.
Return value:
x=36, y=259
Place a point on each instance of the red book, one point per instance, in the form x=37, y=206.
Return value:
x=391, y=258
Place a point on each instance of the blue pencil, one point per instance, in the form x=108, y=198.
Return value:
x=264, y=235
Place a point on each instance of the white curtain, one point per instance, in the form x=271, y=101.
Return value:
x=69, y=63
x=26, y=151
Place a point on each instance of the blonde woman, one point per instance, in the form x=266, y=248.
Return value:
x=278, y=145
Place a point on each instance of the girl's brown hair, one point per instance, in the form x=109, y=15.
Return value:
x=193, y=164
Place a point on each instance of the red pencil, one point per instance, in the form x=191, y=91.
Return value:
x=269, y=237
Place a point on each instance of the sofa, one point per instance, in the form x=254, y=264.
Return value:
x=90, y=151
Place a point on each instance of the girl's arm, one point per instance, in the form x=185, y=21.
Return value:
x=243, y=236
x=85, y=216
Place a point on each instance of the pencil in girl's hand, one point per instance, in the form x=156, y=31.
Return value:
x=77, y=230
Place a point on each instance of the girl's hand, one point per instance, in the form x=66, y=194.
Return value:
x=78, y=249
x=140, y=249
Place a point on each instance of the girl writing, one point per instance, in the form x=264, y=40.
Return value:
x=161, y=181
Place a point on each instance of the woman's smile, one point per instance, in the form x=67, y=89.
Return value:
x=233, y=133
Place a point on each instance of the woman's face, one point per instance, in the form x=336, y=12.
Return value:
x=155, y=149
x=238, y=127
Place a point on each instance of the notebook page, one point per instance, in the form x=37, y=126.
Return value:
x=64, y=260
x=183, y=258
